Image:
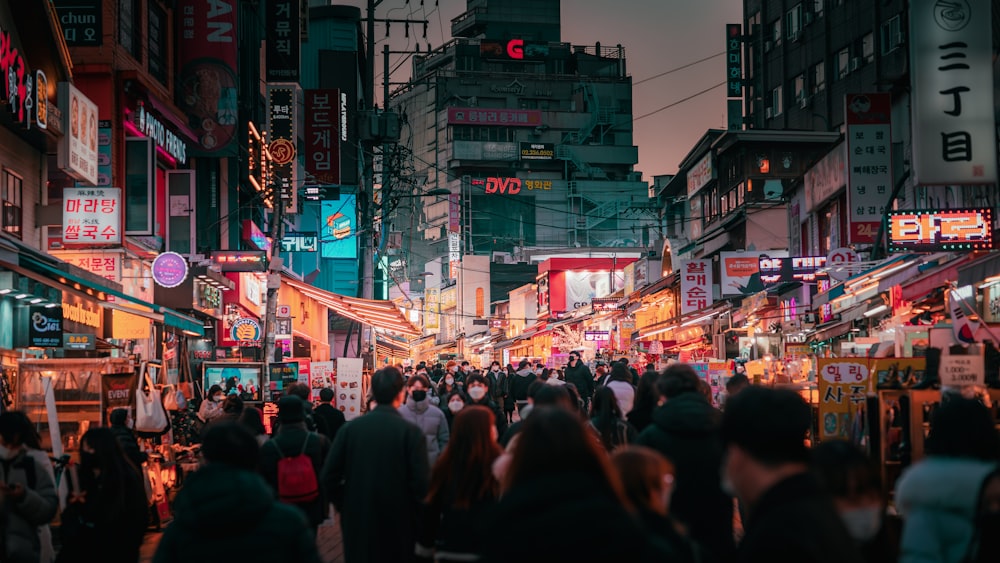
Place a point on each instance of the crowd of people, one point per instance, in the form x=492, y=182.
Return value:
x=452, y=463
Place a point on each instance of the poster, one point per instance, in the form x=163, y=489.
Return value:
x=241, y=379
x=340, y=225
x=321, y=376
x=77, y=154
x=843, y=386
x=350, y=395
x=279, y=377
x=739, y=272
x=118, y=392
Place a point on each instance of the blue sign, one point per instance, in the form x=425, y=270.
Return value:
x=339, y=228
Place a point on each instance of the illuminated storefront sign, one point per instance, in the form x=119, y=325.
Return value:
x=936, y=230
x=17, y=84
x=253, y=235
x=300, y=242
x=163, y=137
x=514, y=49
x=795, y=269
x=497, y=117
x=538, y=151
x=240, y=260
x=604, y=304
x=92, y=215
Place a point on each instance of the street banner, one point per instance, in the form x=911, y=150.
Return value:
x=843, y=386
x=869, y=167
x=696, y=285
x=350, y=395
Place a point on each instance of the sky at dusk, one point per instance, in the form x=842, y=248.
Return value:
x=658, y=35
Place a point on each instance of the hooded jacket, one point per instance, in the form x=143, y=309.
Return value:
x=19, y=521
x=224, y=513
x=580, y=376
x=432, y=424
x=686, y=430
x=520, y=382
x=938, y=499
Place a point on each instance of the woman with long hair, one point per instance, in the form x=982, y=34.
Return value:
x=253, y=420
x=462, y=488
x=646, y=399
x=106, y=506
x=606, y=420
x=560, y=483
x=620, y=381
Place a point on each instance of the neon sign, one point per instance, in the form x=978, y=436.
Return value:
x=515, y=49
x=946, y=229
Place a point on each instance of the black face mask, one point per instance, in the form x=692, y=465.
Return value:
x=88, y=459
x=418, y=395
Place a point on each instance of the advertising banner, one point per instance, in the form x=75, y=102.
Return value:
x=582, y=287
x=118, y=392
x=543, y=293
x=495, y=117
x=869, y=163
x=700, y=175
x=340, y=224
x=91, y=216
x=283, y=41
x=300, y=242
x=350, y=395
x=538, y=151
x=170, y=269
x=843, y=385
x=740, y=271
x=279, y=377
x=734, y=61
x=696, y=285
x=107, y=264
x=321, y=376
x=206, y=83
x=322, y=136
x=941, y=230
x=45, y=327
x=796, y=269
x=951, y=75
x=77, y=153
x=431, y=298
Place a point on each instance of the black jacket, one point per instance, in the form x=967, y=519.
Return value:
x=99, y=524
x=795, y=522
x=129, y=445
x=663, y=530
x=685, y=429
x=580, y=376
x=501, y=419
x=228, y=514
x=289, y=442
x=328, y=420
x=519, y=383
x=450, y=530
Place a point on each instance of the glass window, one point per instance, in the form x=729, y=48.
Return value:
x=776, y=32
x=157, y=30
x=818, y=7
x=868, y=47
x=819, y=76
x=777, y=106
x=130, y=26
x=843, y=59
x=793, y=22
x=12, y=208
x=799, y=85
x=140, y=179
x=892, y=35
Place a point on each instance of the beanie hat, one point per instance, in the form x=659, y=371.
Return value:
x=291, y=409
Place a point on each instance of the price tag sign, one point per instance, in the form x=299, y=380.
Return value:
x=962, y=370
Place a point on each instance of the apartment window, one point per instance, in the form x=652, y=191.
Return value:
x=793, y=22
x=130, y=27
x=140, y=185
x=776, y=32
x=799, y=85
x=12, y=192
x=819, y=76
x=868, y=47
x=157, y=31
x=892, y=35
x=818, y=7
x=776, y=102
x=843, y=60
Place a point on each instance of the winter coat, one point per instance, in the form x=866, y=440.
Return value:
x=506, y=378
x=519, y=384
x=795, y=522
x=224, y=513
x=289, y=442
x=377, y=461
x=496, y=381
x=571, y=517
x=663, y=531
x=580, y=376
x=620, y=433
x=431, y=422
x=454, y=532
x=130, y=446
x=685, y=429
x=938, y=499
x=19, y=521
x=624, y=394
x=332, y=419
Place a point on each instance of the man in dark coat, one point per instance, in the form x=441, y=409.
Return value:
x=293, y=439
x=579, y=375
x=790, y=518
x=685, y=429
x=126, y=438
x=328, y=418
x=519, y=383
x=226, y=512
x=377, y=473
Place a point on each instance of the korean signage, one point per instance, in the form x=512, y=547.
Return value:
x=282, y=126
x=164, y=138
x=740, y=271
x=245, y=332
x=77, y=341
x=454, y=254
x=283, y=28
x=543, y=293
x=240, y=260
x=78, y=147
x=81, y=22
x=951, y=61
x=514, y=50
x=962, y=370
x=17, y=83
x=323, y=124
x=734, y=61
x=92, y=216
x=107, y=264
x=825, y=177
x=300, y=242
x=795, y=269
x=699, y=175
x=42, y=103
x=349, y=381
x=596, y=335
x=104, y=153
x=843, y=385
x=604, y=304
x=538, y=151
x=340, y=225
x=696, y=285
x=938, y=230
x=479, y=150
x=252, y=235
x=454, y=212
x=991, y=303
x=869, y=163
x=45, y=326
x=432, y=297
x=482, y=116
x=169, y=269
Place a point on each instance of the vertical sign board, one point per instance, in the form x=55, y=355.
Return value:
x=843, y=385
x=77, y=154
x=322, y=139
x=869, y=163
x=281, y=123
x=283, y=36
x=432, y=296
x=734, y=61
x=339, y=70
x=81, y=22
x=45, y=327
x=954, y=141
x=349, y=382
x=696, y=285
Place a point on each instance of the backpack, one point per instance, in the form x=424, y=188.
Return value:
x=296, y=477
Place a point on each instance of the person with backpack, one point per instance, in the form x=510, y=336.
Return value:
x=28, y=496
x=291, y=461
x=607, y=422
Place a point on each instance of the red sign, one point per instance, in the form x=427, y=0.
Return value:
x=515, y=48
x=16, y=80
x=496, y=184
x=322, y=139
x=500, y=117
x=948, y=229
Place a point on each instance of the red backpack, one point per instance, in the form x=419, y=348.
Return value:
x=296, y=477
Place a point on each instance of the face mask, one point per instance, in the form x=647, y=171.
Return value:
x=9, y=453
x=454, y=369
x=455, y=406
x=477, y=392
x=863, y=524
x=449, y=380
x=419, y=395
x=495, y=368
x=88, y=459
x=219, y=398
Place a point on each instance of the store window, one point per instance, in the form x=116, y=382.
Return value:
x=130, y=27
x=819, y=76
x=13, y=187
x=140, y=185
x=892, y=35
x=157, y=30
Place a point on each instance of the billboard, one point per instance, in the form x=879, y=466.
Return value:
x=796, y=269
x=496, y=117
x=739, y=272
x=696, y=285
x=538, y=151
x=206, y=83
x=869, y=163
x=339, y=227
x=283, y=41
x=78, y=147
x=92, y=216
x=941, y=230
x=322, y=136
x=339, y=70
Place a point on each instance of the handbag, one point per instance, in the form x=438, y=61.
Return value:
x=150, y=415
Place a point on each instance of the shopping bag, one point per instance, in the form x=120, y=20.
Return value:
x=150, y=415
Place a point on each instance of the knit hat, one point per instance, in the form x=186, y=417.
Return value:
x=291, y=409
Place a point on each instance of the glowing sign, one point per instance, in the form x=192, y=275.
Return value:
x=795, y=269
x=947, y=229
x=515, y=48
x=240, y=260
x=501, y=185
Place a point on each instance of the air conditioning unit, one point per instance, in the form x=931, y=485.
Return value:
x=793, y=36
x=803, y=102
x=854, y=65
x=769, y=113
x=503, y=258
x=899, y=38
x=768, y=45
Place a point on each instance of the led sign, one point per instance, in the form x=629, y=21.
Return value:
x=240, y=260
x=795, y=269
x=604, y=304
x=945, y=229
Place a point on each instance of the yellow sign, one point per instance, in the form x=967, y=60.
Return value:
x=843, y=385
x=77, y=313
x=431, y=298
x=449, y=297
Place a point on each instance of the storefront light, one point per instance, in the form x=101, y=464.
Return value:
x=36, y=300
x=876, y=310
x=22, y=295
x=52, y=305
x=5, y=291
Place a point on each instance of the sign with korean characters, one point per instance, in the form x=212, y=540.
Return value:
x=77, y=152
x=696, y=285
x=734, y=61
x=92, y=216
x=941, y=230
x=869, y=167
x=843, y=385
x=350, y=393
x=282, y=124
x=283, y=40
x=322, y=138
x=962, y=370
x=951, y=74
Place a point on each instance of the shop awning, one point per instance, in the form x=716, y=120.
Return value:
x=920, y=286
x=383, y=315
x=976, y=272
x=170, y=317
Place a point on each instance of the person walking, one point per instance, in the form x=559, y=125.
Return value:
x=646, y=400
x=477, y=387
x=524, y=376
x=789, y=516
x=508, y=399
x=495, y=377
x=252, y=419
x=332, y=419
x=454, y=403
x=620, y=381
x=579, y=375
x=126, y=438
x=28, y=497
x=379, y=460
x=278, y=458
x=419, y=411
x=607, y=421
x=227, y=512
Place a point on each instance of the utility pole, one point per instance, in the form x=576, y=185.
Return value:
x=274, y=267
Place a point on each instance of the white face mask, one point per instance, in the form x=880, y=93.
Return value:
x=477, y=392
x=454, y=369
x=864, y=523
x=449, y=380
x=8, y=453
x=219, y=398
x=455, y=406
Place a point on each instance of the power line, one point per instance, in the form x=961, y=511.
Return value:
x=673, y=70
x=678, y=102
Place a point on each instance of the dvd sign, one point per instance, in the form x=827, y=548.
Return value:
x=496, y=184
